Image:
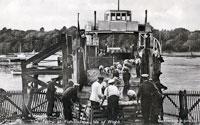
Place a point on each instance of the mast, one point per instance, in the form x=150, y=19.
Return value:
x=145, y=22
x=95, y=18
x=118, y=4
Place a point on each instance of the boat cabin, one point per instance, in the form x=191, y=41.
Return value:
x=117, y=15
x=117, y=35
x=118, y=21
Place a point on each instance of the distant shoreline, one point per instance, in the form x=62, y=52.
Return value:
x=181, y=54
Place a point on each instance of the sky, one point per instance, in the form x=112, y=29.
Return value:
x=54, y=14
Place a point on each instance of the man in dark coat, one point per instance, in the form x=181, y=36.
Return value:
x=160, y=87
x=146, y=92
x=50, y=97
x=115, y=73
x=126, y=78
x=69, y=97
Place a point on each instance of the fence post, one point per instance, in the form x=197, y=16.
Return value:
x=185, y=105
x=183, y=113
x=181, y=105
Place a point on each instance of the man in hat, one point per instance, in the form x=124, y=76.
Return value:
x=96, y=93
x=131, y=95
x=138, y=64
x=112, y=93
x=50, y=95
x=160, y=87
x=146, y=92
x=126, y=78
x=68, y=98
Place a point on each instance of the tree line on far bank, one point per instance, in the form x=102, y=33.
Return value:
x=178, y=40
x=13, y=41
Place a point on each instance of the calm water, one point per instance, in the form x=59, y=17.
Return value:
x=179, y=73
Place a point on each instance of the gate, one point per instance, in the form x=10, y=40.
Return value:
x=39, y=104
x=11, y=104
x=182, y=104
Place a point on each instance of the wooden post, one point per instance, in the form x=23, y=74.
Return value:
x=118, y=5
x=185, y=105
x=69, y=43
x=24, y=92
x=181, y=103
x=34, y=87
x=64, y=43
x=95, y=18
x=145, y=60
x=183, y=114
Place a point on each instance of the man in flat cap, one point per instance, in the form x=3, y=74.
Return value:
x=159, y=101
x=96, y=93
x=50, y=95
x=112, y=93
x=146, y=92
x=69, y=97
x=126, y=78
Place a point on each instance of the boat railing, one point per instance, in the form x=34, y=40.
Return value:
x=157, y=45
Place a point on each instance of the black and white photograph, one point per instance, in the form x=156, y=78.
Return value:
x=100, y=62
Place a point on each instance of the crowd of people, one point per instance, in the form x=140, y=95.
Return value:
x=149, y=94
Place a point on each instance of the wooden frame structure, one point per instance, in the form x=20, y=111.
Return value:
x=31, y=71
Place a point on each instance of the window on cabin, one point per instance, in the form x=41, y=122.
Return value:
x=113, y=16
x=106, y=17
x=118, y=16
x=128, y=17
x=123, y=16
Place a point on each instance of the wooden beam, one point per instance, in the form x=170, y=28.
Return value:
x=39, y=105
x=48, y=67
x=41, y=88
x=44, y=54
x=172, y=102
x=32, y=79
x=64, y=43
x=43, y=71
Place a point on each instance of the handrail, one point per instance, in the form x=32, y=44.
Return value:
x=158, y=43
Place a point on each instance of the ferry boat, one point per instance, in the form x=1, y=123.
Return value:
x=120, y=37
x=117, y=37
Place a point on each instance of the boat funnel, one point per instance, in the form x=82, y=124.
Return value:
x=145, y=17
x=95, y=18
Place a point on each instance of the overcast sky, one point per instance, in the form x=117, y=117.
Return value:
x=51, y=14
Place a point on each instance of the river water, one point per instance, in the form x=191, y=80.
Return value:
x=179, y=73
